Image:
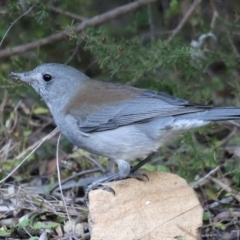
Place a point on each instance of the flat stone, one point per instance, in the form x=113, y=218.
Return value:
x=165, y=207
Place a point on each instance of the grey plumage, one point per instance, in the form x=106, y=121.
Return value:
x=214, y=114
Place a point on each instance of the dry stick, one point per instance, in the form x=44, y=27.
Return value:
x=5, y=150
x=184, y=20
x=226, y=187
x=2, y=105
x=17, y=20
x=67, y=13
x=97, y=20
x=229, y=136
x=150, y=21
x=215, y=15
x=95, y=162
x=234, y=48
x=36, y=146
x=59, y=178
x=79, y=174
x=72, y=55
x=206, y=176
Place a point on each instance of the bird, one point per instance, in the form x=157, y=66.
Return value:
x=120, y=122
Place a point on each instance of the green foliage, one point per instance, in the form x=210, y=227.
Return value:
x=4, y=232
x=132, y=49
x=42, y=13
x=173, y=9
x=133, y=58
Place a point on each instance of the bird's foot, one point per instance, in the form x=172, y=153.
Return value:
x=124, y=172
x=138, y=176
x=98, y=185
x=113, y=177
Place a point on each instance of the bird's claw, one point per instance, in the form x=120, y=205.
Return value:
x=138, y=176
x=95, y=186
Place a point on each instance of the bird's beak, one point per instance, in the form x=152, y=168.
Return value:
x=20, y=76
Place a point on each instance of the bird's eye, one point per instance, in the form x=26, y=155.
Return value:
x=47, y=77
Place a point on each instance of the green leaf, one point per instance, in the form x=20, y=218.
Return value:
x=40, y=110
x=37, y=226
x=174, y=6
x=24, y=223
x=220, y=225
x=26, y=133
x=206, y=215
x=211, y=194
x=33, y=238
x=49, y=225
x=4, y=232
x=162, y=168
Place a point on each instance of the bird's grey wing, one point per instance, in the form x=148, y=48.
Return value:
x=145, y=107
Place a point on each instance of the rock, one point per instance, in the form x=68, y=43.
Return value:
x=164, y=207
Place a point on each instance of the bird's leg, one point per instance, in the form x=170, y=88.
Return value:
x=124, y=168
x=143, y=162
x=125, y=171
x=98, y=185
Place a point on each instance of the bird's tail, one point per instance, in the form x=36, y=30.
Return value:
x=214, y=114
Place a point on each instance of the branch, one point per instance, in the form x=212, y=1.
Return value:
x=95, y=21
x=184, y=20
x=67, y=13
x=226, y=187
x=29, y=10
x=215, y=15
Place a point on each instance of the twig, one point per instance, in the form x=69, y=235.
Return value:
x=36, y=146
x=79, y=174
x=67, y=13
x=234, y=48
x=95, y=162
x=39, y=142
x=206, y=176
x=72, y=55
x=225, y=187
x=150, y=21
x=2, y=105
x=224, y=140
x=215, y=15
x=16, y=21
x=184, y=20
x=59, y=177
x=95, y=21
